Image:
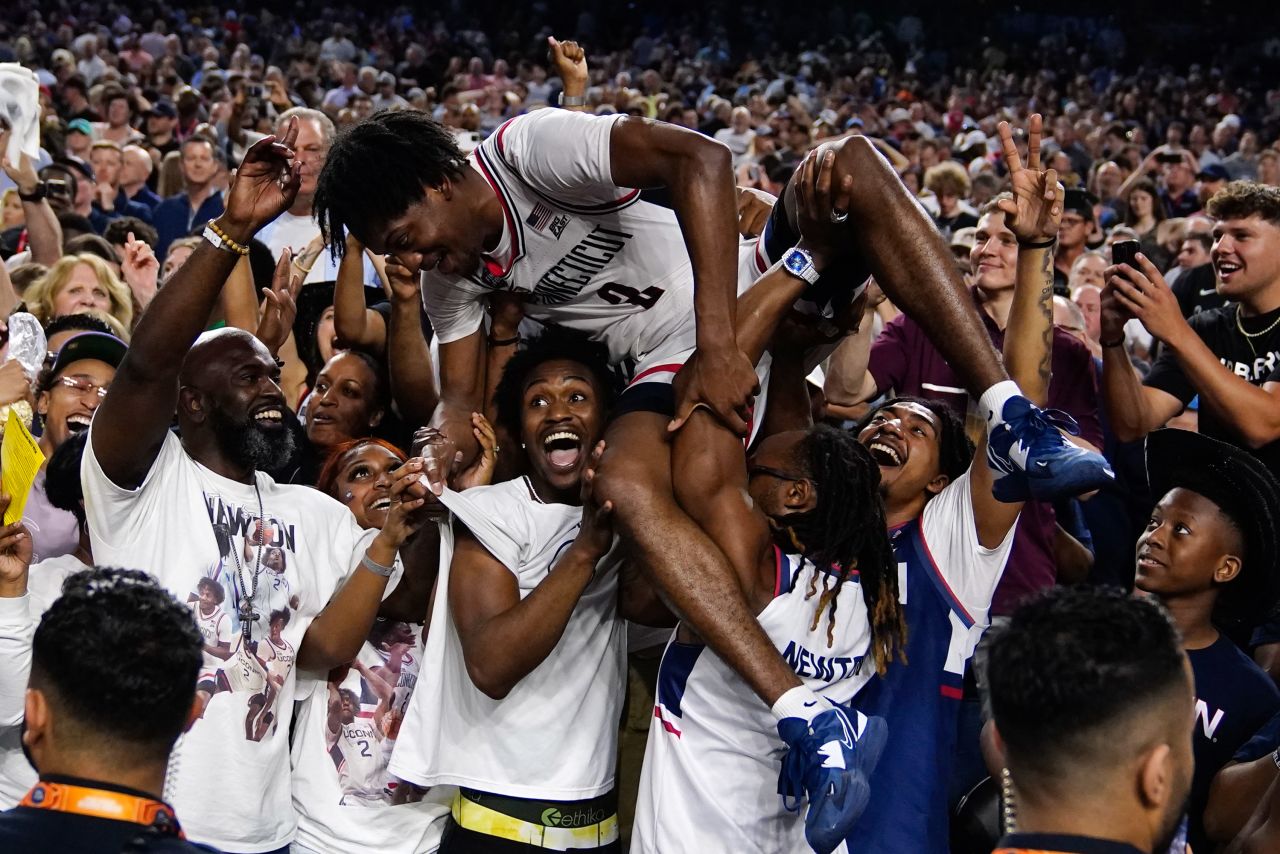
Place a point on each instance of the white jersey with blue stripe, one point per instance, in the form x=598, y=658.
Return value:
x=589, y=255
x=946, y=579
x=710, y=778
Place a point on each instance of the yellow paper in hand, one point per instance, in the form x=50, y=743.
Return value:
x=20, y=461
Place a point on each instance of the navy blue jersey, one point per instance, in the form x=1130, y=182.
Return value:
x=946, y=581
x=1234, y=699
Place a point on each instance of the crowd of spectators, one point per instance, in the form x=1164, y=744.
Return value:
x=1165, y=136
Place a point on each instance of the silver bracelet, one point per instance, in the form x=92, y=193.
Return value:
x=375, y=567
x=1275, y=757
x=572, y=100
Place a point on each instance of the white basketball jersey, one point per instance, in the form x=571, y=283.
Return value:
x=277, y=658
x=590, y=255
x=214, y=628
x=555, y=735
x=362, y=774
x=710, y=778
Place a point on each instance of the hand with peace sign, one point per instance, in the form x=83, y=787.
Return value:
x=1034, y=212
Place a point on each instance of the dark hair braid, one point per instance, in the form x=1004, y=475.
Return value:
x=847, y=530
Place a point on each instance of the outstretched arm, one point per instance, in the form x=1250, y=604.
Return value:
x=358, y=327
x=131, y=424
x=698, y=173
x=1033, y=216
x=413, y=386
x=44, y=233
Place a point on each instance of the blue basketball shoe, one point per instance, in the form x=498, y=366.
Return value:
x=1032, y=460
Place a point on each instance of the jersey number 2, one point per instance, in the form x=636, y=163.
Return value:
x=616, y=294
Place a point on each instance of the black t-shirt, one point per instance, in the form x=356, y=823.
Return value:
x=1254, y=359
x=950, y=225
x=1234, y=699
x=1197, y=291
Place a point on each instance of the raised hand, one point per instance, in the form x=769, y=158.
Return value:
x=1034, y=212
x=480, y=472
x=570, y=62
x=265, y=185
x=1142, y=293
x=23, y=173
x=279, y=305
x=822, y=205
x=140, y=269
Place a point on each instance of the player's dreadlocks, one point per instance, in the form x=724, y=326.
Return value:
x=846, y=530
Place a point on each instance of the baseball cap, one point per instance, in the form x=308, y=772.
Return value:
x=1213, y=172
x=89, y=345
x=964, y=238
x=80, y=126
x=1079, y=201
x=165, y=109
x=386, y=77
x=898, y=114
x=78, y=165
x=972, y=139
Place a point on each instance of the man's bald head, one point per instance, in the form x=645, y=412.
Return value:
x=230, y=399
x=215, y=352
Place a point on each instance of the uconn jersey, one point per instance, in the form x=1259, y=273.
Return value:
x=710, y=778
x=946, y=580
x=588, y=254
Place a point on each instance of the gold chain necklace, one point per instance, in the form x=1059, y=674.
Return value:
x=1249, y=336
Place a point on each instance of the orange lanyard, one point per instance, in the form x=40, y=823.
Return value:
x=103, y=803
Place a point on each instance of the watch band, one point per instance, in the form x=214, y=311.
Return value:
x=40, y=192
x=572, y=100
x=799, y=263
x=375, y=567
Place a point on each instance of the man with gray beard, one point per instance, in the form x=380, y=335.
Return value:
x=201, y=507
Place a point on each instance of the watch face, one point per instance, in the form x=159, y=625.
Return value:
x=796, y=262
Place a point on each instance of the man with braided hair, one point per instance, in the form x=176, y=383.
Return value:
x=803, y=526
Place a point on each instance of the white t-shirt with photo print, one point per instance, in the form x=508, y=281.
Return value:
x=229, y=776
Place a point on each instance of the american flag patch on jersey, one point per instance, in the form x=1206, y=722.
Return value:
x=539, y=216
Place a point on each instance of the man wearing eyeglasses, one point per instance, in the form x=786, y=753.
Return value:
x=1073, y=234
x=67, y=394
